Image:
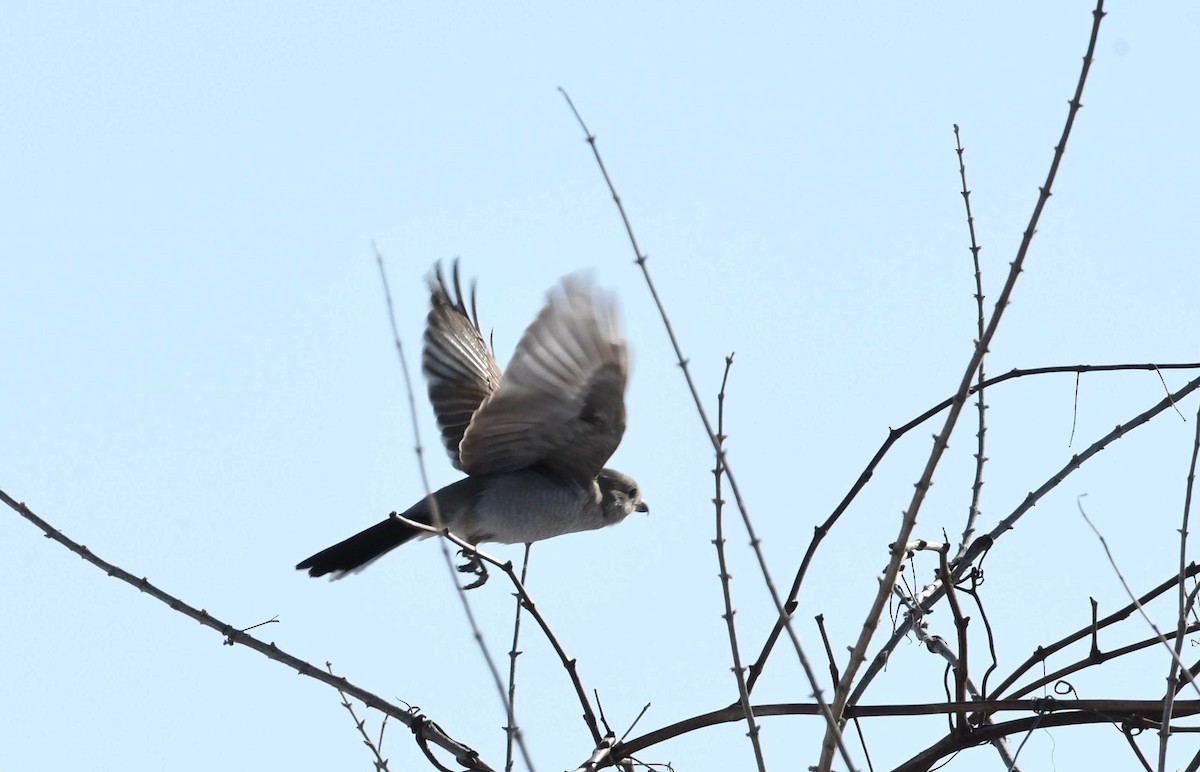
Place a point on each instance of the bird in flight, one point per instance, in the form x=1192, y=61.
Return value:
x=532, y=441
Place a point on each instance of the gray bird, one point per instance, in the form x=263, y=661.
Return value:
x=532, y=441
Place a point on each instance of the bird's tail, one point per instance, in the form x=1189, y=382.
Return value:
x=360, y=549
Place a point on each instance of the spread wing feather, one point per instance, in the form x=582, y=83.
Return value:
x=460, y=370
x=561, y=402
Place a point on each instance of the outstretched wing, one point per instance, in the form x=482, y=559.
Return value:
x=460, y=369
x=561, y=402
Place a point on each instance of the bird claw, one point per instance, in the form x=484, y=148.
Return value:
x=473, y=565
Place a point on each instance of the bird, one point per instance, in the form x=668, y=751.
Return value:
x=532, y=440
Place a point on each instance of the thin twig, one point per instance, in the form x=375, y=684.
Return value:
x=1112, y=561
x=862, y=743
x=1181, y=622
x=1044, y=652
x=960, y=625
x=1075, y=412
x=1128, y=734
x=360, y=724
x=1167, y=389
x=719, y=542
x=513, y=653
x=833, y=730
x=833, y=668
x=973, y=591
x=1187, y=674
x=636, y=720
x=506, y=566
x=980, y=459
x=419, y=450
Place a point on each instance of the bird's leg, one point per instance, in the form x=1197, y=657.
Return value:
x=473, y=565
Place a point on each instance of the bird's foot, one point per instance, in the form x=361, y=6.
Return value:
x=473, y=565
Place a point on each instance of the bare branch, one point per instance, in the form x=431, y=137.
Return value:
x=1184, y=600
x=462, y=754
x=513, y=652
x=419, y=450
x=719, y=542
x=980, y=459
x=821, y=531
x=934, y=592
x=942, y=439
x=833, y=729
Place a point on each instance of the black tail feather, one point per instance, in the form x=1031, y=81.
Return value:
x=359, y=549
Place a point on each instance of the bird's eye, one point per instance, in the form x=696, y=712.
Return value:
x=633, y=492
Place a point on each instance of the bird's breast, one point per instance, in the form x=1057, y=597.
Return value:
x=531, y=505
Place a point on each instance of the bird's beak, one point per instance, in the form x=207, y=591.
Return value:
x=642, y=507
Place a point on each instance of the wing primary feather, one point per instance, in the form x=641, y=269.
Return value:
x=458, y=293
x=460, y=368
x=474, y=307
x=560, y=403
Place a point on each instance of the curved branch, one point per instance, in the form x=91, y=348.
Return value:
x=935, y=591
x=894, y=435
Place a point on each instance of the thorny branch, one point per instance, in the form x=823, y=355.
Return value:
x=980, y=320
x=894, y=435
x=462, y=754
x=941, y=441
x=725, y=577
x=832, y=727
x=935, y=591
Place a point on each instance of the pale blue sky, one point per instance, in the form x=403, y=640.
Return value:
x=201, y=385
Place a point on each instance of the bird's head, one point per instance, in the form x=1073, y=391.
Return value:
x=619, y=495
